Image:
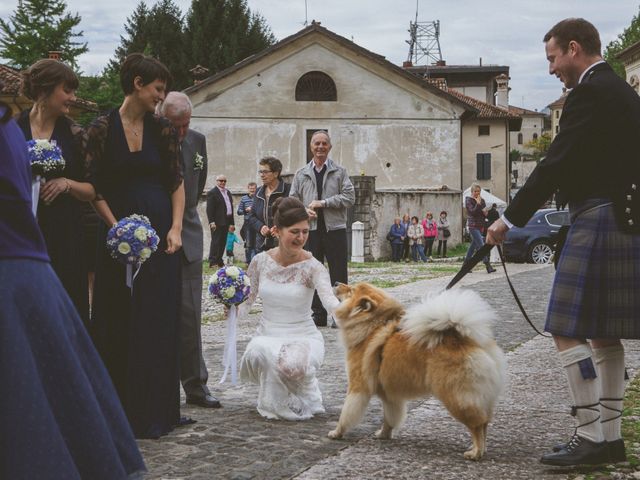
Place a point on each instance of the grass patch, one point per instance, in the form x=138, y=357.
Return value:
x=384, y=283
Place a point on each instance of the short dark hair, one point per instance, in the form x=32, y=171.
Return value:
x=44, y=76
x=415, y=218
x=288, y=211
x=578, y=30
x=274, y=164
x=145, y=67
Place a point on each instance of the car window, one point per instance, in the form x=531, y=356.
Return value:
x=557, y=219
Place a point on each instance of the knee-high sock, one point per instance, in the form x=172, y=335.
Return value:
x=584, y=391
x=610, y=364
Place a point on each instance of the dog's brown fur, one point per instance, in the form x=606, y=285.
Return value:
x=384, y=360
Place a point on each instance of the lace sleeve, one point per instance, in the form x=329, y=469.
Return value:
x=254, y=275
x=322, y=284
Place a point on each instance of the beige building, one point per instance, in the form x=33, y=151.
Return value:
x=630, y=56
x=383, y=121
x=555, y=109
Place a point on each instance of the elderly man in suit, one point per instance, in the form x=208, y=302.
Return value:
x=593, y=165
x=220, y=215
x=193, y=371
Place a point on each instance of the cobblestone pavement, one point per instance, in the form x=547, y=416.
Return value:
x=236, y=443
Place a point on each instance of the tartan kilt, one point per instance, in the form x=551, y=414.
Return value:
x=596, y=290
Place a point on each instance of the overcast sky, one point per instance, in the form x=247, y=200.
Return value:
x=502, y=32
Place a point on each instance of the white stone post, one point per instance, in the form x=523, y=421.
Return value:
x=357, y=242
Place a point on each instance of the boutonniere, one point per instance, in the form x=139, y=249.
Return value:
x=197, y=162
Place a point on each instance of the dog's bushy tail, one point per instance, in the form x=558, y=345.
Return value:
x=462, y=310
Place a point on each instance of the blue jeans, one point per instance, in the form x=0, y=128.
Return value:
x=418, y=250
x=249, y=253
x=476, y=243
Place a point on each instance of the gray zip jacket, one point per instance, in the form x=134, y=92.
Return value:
x=337, y=191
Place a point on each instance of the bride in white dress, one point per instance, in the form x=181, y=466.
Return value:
x=288, y=349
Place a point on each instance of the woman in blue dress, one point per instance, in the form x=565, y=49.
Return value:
x=59, y=416
x=134, y=160
x=51, y=85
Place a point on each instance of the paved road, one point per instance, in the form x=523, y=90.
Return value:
x=236, y=443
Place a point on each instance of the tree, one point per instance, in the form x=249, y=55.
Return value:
x=628, y=37
x=38, y=27
x=539, y=146
x=157, y=32
x=103, y=89
x=220, y=33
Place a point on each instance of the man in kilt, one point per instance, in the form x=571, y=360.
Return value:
x=592, y=165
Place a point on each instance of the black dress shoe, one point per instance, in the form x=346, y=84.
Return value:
x=617, y=452
x=579, y=451
x=208, y=401
x=490, y=269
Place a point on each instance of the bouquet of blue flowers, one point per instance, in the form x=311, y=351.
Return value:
x=231, y=286
x=46, y=160
x=132, y=241
x=45, y=157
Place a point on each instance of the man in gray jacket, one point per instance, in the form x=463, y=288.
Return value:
x=193, y=149
x=325, y=189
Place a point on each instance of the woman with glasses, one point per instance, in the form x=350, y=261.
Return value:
x=273, y=187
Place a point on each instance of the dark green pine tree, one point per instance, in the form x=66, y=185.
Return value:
x=627, y=38
x=220, y=33
x=136, y=39
x=167, y=42
x=37, y=27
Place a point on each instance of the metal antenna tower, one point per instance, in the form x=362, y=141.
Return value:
x=424, y=41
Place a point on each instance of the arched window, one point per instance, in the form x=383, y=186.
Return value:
x=535, y=136
x=316, y=87
x=520, y=139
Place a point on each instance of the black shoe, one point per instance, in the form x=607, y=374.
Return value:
x=185, y=421
x=208, y=401
x=490, y=269
x=319, y=319
x=616, y=450
x=579, y=451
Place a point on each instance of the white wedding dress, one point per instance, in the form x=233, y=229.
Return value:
x=288, y=349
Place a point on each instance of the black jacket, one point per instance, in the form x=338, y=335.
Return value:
x=261, y=213
x=217, y=209
x=596, y=152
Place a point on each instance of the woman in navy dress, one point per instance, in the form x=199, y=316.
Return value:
x=51, y=85
x=134, y=159
x=60, y=416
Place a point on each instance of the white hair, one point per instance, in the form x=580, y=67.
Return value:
x=177, y=103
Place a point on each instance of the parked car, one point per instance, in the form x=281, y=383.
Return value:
x=536, y=241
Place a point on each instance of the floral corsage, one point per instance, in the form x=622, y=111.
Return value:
x=198, y=162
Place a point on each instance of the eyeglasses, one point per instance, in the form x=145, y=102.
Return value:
x=264, y=172
x=222, y=181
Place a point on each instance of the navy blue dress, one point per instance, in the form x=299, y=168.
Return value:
x=61, y=221
x=136, y=331
x=60, y=416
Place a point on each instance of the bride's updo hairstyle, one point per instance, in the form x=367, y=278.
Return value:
x=288, y=211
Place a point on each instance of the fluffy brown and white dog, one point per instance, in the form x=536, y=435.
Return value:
x=443, y=346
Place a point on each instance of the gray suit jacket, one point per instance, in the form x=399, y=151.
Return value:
x=194, y=180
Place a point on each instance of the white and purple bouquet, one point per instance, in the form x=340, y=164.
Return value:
x=231, y=286
x=132, y=241
x=46, y=160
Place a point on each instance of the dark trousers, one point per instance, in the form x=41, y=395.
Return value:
x=218, y=244
x=193, y=371
x=442, y=247
x=428, y=245
x=396, y=252
x=405, y=249
x=332, y=246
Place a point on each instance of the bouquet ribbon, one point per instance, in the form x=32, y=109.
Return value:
x=131, y=275
x=230, y=356
x=35, y=194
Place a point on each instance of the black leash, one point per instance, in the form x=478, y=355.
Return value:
x=473, y=261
